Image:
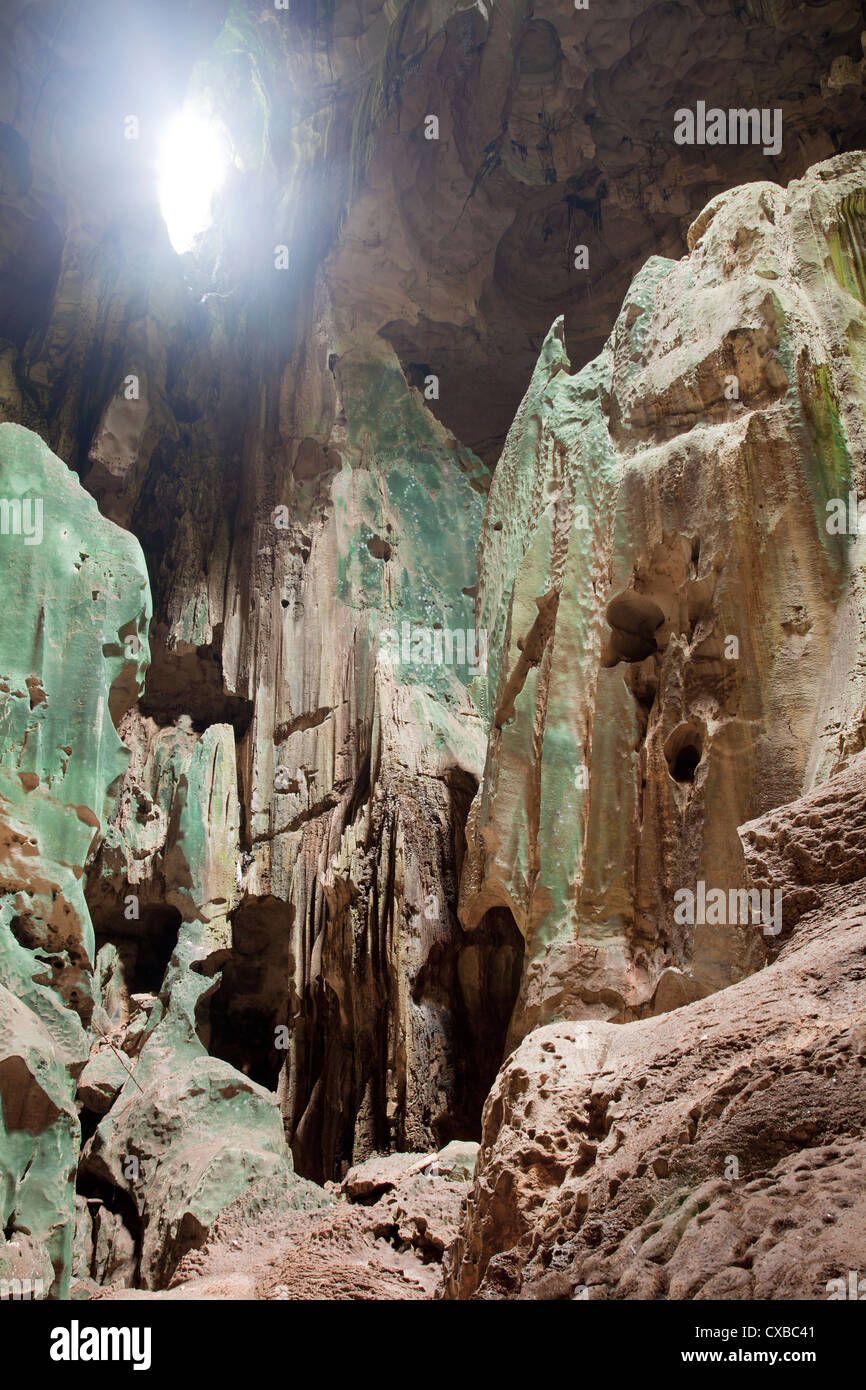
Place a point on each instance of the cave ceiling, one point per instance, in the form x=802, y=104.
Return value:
x=554, y=131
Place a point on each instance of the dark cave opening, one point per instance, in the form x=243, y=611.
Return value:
x=480, y=989
x=144, y=944
x=244, y=1019
x=634, y=621
x=686, y=761
x=683, y=752
x=489, y=968
x=89, y=1121
x=116, y=1199
x=191, y=683
x=99, y=1192
x=471, y=979
x=358, y=1086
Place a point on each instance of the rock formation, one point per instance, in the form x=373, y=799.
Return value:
x=365, y=715
x=184, y=1133
x=676, y=633
x=715, y=1152
x=74, y=645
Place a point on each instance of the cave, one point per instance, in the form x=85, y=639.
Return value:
x=532, y=329
x=144, y=944
x=471, y=981
x=683, y=751
x=98, y=1193
x=239, y=1018
x=489, y=967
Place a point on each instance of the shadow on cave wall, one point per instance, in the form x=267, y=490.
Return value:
x=375, y=1071
x=487, y=971
x=471, y=981
x=144, y=944
x=239, y=1020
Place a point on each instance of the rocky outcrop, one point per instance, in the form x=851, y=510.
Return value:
x=820, y=840
x=72, y=655
x=675, y=629
x=715, y=1152
x=182, y=1134
x=328, y=900
x=380, y=1234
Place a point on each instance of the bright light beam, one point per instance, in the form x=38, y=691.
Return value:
x=193, y=162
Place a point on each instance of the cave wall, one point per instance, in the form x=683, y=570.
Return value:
x=677, y=639
x=296, y=793
x=74, y=648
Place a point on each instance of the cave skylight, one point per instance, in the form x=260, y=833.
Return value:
x=194, y=159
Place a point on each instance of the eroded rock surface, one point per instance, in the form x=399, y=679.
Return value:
x=676, y=635
x=183, y=1134
x=800, y=848
x=271, y=854
x=714, y=1152
x=380, y=1235
x=73, y=646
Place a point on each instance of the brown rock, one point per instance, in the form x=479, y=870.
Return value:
x=714, y=1151
x=818, y=840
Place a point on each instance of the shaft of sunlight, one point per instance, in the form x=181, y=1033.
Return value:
x=193, y=162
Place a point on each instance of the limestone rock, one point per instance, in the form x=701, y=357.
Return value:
x=82, y=589
x=114, y=1253
x=271, y=854
x=818, y=840
x=25, y=1270
x=457, y=1160
x=102, y=1080
x=383, y=1244
x=70, y=665
x=676, y=1156
x=183, y=1132
x=383, y=1173
x=82, y=1243
x=676, y=632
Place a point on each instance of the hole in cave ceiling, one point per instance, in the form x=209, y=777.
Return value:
x=194, y=158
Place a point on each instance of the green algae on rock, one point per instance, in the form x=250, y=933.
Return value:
x=676, y=641
x=73, y=650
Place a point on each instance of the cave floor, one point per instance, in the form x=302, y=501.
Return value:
x=385, y=1249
